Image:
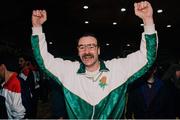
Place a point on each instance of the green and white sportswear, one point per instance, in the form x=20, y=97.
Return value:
x=100, y=95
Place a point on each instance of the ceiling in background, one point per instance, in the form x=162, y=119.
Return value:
x=66, y=21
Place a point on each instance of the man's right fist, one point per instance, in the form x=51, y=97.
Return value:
x=38, y=17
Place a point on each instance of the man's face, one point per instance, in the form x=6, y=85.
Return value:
x=88, y=50
x=22, y=62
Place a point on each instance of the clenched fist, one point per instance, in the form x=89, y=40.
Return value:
x=144, y=11
x=38, y=17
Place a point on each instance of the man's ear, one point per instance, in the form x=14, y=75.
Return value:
x=99, y=51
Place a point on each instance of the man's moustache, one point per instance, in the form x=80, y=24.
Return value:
x=87, y=55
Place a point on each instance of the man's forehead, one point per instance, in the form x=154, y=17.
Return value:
x=87, y=39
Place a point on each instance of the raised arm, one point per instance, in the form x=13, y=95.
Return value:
x=142, y=60
x=54, y=67
x=137, y=63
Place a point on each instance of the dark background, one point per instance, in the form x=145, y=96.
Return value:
x=66, y=22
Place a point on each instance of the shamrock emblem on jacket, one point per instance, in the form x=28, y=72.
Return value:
x=103, y=82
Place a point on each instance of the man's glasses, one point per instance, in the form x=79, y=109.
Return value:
x=88, y=46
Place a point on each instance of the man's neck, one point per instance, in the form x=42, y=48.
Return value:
x=94, y=67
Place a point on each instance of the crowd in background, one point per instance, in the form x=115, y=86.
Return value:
x=32, y=85
x=155, y=95
x=98, y=89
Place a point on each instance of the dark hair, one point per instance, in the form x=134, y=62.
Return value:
x=9, y=59
x=89, y=34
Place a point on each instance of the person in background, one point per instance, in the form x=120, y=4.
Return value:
x=150, y=98
x=3, y=110
x=11, y=88
x=172, y=78
x=93, y=88
x=30, y=77
x=27, y=83
x=58, y=106
x=35, y=86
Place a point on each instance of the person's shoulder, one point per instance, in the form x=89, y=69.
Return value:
x=13, y=85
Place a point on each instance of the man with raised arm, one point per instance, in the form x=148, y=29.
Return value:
x=95, y=89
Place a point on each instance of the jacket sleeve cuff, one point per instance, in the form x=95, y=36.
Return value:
x=149, y=29
x=36, y=30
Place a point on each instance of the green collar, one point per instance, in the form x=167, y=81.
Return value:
x=82, y=69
